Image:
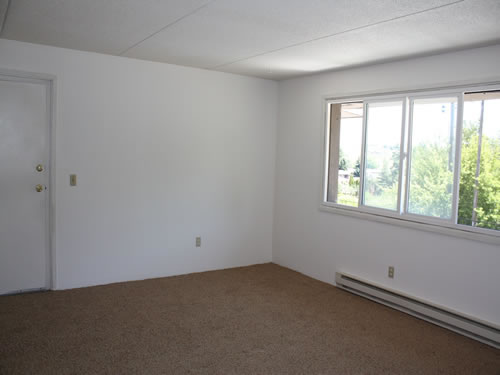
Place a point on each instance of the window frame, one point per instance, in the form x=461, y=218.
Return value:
x=401, y=216
x=328, y=141
x=361, y=193
x=456, y=161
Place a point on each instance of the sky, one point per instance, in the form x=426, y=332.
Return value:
x=431, y=122
x=491, y=121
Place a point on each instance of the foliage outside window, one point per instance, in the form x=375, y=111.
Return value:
x=410, y=157
x=479, y=203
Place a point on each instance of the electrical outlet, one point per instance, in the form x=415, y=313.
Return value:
x=390, y=273
x=198, y=241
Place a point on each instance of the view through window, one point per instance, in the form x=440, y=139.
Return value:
x=383, y=147
x=479, y=203
x=401, y=156
x=432, y=157
x=346, y=126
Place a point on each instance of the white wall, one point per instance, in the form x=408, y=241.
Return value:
x=163, y=153
x=457, y=273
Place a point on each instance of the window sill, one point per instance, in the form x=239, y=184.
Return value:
x=454, y=230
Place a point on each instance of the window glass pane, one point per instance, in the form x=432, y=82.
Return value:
x=432, y=157
x=479, y=202
x=346, y=125
x=383, y=141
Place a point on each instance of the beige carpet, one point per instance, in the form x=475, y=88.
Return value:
x=262, y=319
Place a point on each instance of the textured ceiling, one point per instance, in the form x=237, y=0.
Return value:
x=274, y=39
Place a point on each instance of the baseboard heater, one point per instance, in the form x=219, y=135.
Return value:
x=485, y=332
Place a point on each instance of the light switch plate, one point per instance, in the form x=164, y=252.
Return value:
x=390, y=273
x=72, y=180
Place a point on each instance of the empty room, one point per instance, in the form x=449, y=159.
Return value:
x=249, y=187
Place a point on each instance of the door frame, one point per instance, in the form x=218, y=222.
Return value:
x=51, y=84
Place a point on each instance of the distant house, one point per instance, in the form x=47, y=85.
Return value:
x=344, y=174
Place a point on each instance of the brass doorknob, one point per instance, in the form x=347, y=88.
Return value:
x=39, y=168
x=39, y=188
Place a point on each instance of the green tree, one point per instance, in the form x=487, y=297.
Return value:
x=395, y=164
x=387, y=178
x=357, y=169
x=430, y=181
x=343, y=165
x=371, y=163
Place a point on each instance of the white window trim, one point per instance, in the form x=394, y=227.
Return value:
x=456, y=162
x=402, y=218
x=362, y=181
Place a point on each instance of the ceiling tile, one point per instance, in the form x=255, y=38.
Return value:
x=267, y=38
x=462, y=25
x=109, y=26
x=230, y=30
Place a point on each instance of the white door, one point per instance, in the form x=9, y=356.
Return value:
x=24, y=183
